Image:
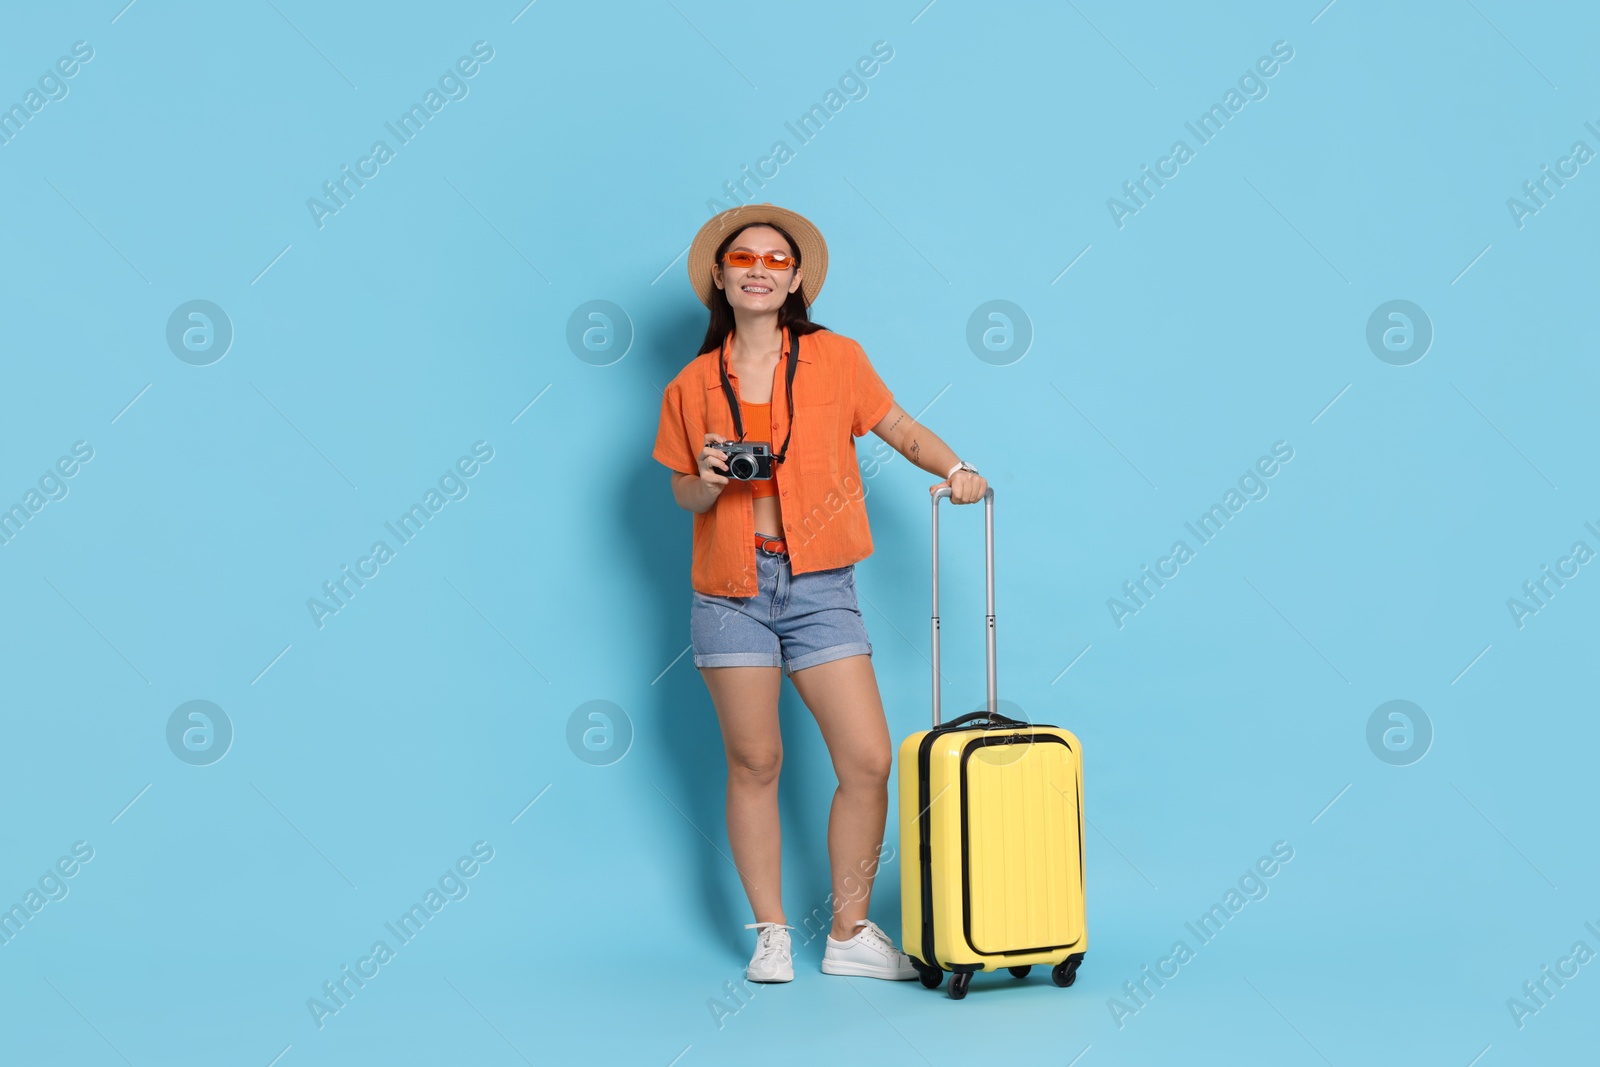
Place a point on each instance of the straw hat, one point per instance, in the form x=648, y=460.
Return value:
x=811, y=248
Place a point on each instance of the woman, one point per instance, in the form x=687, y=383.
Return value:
x=774, y=559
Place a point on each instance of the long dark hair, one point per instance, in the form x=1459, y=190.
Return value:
x=792, y=314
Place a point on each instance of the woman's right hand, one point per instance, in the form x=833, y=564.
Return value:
x=710, y=459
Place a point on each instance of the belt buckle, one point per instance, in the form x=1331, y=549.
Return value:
x=774, y=540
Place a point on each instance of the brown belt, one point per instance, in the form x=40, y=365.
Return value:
x=777, y=546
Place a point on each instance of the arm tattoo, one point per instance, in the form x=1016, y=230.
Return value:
x=915, y=451
x=893, y=424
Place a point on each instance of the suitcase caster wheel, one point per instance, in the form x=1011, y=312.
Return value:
x=932, y=977
x=1065, y=973
x=1019, y=972
x=958, y=984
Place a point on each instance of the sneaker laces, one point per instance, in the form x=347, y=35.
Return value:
x=768, y=944
x=880, y=939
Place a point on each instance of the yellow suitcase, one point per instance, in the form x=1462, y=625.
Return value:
x=991, y=833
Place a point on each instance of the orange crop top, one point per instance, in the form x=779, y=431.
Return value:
x=758, y=427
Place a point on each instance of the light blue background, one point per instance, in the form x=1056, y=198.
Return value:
x=428, y=314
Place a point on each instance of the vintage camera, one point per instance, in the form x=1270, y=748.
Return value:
x=747, y=460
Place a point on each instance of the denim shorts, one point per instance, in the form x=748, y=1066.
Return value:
x=793, y=621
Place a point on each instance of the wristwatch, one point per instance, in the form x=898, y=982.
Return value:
x=962, y=466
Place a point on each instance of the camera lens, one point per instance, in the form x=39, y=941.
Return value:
x=742, y=465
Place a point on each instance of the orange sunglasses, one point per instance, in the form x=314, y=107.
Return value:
x=773, y=260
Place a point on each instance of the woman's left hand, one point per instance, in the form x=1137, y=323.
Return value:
x=965, y=487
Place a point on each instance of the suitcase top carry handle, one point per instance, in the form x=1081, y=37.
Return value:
x=988, y=545
x=992, y=717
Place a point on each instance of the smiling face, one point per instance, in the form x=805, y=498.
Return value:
x=757, y=289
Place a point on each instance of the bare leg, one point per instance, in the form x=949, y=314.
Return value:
x=843, y=695
x=746, y=699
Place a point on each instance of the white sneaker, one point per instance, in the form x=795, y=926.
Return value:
x=869, y=954
x=772, y=961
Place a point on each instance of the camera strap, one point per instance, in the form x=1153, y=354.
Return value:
x=788, y=381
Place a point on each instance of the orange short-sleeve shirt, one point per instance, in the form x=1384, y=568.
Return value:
x=838, y=397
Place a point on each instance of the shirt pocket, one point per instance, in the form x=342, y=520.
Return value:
x=816, y=438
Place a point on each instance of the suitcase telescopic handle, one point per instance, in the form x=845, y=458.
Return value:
x=988, y=545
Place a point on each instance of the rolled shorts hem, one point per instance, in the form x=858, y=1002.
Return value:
x=828, y=655
x=738, y=659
